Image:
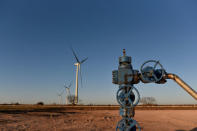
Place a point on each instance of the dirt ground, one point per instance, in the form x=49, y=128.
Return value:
x=97, y=120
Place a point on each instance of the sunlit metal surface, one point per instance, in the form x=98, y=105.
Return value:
x=128, y=96
x=184, y=85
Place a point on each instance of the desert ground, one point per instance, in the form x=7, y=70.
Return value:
x=20, y=118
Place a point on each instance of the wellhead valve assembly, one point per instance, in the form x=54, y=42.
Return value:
x=128, y=96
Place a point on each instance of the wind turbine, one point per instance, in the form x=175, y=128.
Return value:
x=60, y=96
x=78, y=64
x=67, y=88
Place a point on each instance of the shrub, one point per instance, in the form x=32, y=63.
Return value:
x=40, y=103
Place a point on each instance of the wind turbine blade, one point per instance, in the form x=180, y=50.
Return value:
x=62, y=92
x=84, y=60
x=70, y=85
x=75, y=55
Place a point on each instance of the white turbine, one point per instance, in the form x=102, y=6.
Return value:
x=78, y=64
x=60, y=97
x=67, y=88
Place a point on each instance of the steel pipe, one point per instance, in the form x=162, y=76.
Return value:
x=184, y=85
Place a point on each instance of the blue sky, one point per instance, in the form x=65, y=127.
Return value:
x=35, y=36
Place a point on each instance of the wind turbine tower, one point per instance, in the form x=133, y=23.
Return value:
x=67, y=88
x=78, y=65
x=60, y=97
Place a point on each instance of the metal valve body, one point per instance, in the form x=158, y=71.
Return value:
x=128, y=96
x=125, y=96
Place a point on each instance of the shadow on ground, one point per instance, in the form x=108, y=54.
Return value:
x=195, y=129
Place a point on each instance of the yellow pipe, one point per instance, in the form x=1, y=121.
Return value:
x=184, y=85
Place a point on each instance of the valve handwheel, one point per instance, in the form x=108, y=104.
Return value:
x=128, y=97
x=151, y=73
x=122, y=125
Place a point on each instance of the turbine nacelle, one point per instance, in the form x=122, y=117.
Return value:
x=76, y=64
